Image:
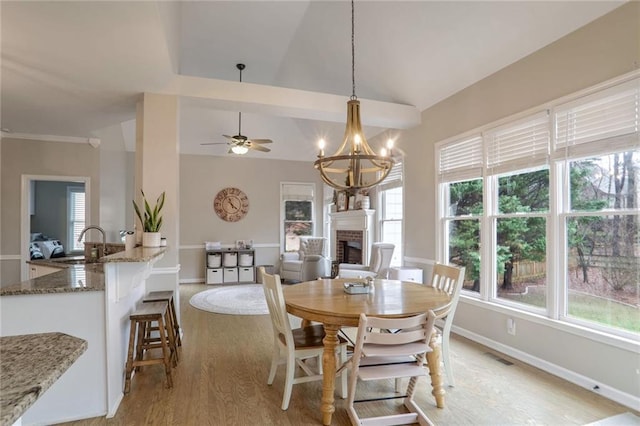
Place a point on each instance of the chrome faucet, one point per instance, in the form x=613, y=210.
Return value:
x=104, y=237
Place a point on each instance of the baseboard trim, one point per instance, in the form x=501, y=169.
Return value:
x=588, y=383
x=191, y=281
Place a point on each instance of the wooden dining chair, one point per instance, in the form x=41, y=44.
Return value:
x=379, y=355
x=294, y=347
x=450, y=279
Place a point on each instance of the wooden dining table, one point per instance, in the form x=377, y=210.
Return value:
x=325, y=301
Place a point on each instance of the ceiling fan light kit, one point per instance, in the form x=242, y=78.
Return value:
x=240, y=144
x=354, y=165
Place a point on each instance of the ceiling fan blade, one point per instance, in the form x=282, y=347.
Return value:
x=215, y=143
x=259, y=148
x=228, y=137
x=261, y=140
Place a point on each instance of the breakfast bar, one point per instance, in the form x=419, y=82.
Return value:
x=90, y=301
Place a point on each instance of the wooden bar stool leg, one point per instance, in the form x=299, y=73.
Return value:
x=129, y=368
x=171, y=337
x=142, y=327
x=176, y=327
x=165, y=352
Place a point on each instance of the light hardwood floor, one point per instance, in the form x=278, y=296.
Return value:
x=224, y=364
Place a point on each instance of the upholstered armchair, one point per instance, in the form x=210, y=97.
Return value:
x=306, y=264
x=379, y=262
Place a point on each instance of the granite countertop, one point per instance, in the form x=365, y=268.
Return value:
x=70, y=279
x=137, y=254
x=29, y=365
x=75, y=277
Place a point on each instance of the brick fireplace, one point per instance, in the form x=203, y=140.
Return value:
x=349, y=246
x=352, y=233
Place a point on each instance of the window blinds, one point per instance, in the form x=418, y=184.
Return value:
x=461, y=159
x=76, y=216
x=297, y=191
x=610, y=113
x=521, y=143
x=393, y=179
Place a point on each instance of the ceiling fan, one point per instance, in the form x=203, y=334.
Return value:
x=240, y=144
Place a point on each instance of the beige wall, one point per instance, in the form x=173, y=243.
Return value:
x=27, y=157
x=607, y=48
x=201, y=177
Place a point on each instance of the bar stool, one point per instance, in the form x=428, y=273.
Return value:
x=141, y=320
x=156, y=296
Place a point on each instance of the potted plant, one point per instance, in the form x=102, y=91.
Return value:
x=151, y=220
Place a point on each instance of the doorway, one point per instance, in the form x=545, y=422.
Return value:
x=46, y=201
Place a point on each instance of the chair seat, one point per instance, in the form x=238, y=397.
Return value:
x=309, y=337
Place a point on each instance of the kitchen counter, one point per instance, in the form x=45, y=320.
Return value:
x=75, y=277
x=29, y=365
x=93, y=302
x=70, y=279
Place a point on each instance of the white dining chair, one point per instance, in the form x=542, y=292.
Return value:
x=379, y=355
x=294, y=347
x=450, y=279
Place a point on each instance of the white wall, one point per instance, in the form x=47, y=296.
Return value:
x=597, y=52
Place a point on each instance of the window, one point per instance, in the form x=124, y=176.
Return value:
x=460, y=166
x=462, y=224
x=603, y=240
x=390, y=192
x=297, y=212
x=76, y=217
x=550, y=212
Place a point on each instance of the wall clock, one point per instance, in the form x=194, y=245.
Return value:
x=231, y=204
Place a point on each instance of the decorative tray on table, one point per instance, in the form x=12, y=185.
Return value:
x=357, y=288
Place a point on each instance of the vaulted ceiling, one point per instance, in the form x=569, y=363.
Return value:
x=76, y=69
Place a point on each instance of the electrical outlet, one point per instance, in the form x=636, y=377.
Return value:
x=511, y=326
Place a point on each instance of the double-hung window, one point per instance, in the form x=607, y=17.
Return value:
x=390, y=195
x=597, y=146
x=297, y=213
x=75, y=217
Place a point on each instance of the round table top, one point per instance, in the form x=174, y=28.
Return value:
x=325, y=300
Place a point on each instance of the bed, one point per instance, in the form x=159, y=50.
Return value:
x=43, y=247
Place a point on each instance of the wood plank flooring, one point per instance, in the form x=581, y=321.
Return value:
x=224, y=364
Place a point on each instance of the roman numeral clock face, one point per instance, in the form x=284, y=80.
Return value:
x=231, y=204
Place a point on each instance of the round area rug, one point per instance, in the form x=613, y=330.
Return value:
x=241, y=299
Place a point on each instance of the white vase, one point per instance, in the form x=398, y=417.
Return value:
x=151, y=239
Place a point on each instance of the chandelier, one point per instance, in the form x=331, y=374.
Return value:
x=354, y=165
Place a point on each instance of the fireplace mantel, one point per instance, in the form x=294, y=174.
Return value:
x=354, y=220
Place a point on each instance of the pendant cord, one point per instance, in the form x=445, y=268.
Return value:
x=353, y=54
x=240, y=67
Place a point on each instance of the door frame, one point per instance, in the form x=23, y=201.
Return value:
x=25, y=220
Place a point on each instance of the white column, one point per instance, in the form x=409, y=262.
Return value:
x=157, y=170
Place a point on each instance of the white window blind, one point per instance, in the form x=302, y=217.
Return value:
x=610, y=113
x=522, y=143
x=393, y=179
x=76, y=216
x=461, y=159
x=297, y=191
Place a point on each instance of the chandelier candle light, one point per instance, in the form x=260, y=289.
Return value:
x=354, y=165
